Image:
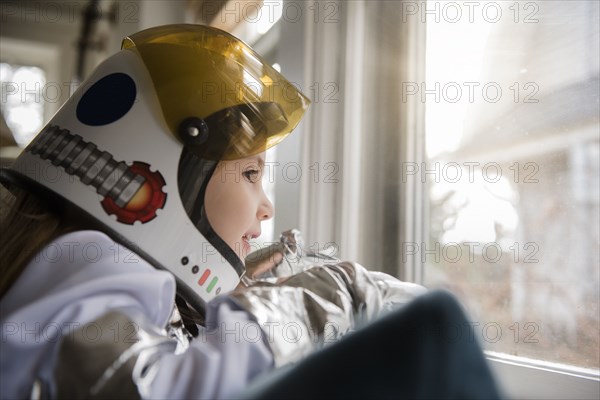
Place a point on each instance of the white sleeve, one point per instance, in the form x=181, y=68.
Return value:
x=220, y=362
x=84, y=275
x=70, y=282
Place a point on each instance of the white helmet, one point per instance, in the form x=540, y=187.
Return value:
x=136, y=144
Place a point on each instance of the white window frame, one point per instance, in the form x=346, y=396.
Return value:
x=526, y=378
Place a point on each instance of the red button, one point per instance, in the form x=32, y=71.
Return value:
x=204, y=277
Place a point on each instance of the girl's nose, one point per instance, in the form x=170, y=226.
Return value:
x=265, y=210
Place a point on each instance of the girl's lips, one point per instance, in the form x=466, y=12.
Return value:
x=251, y=235
x=246, y=242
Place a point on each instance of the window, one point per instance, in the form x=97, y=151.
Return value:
x=512, y=172
x=22, y=103
x=363, y=65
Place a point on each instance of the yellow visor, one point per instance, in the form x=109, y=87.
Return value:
x=218, y=97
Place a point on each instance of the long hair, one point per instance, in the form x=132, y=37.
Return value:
x=27, y=224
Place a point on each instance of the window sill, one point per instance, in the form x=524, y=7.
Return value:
x=525, y=378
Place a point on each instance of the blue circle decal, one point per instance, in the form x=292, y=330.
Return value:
x=107, y=100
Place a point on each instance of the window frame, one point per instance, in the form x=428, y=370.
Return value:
x=519, y=377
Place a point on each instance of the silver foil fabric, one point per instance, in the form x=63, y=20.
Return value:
x=119, y=363
x=310, y=299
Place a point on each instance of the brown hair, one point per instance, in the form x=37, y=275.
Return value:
x=27, y=224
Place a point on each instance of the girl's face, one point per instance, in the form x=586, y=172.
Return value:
x=236, y=203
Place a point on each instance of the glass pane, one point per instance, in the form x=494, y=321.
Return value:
x=22, y=100
x=512, y=105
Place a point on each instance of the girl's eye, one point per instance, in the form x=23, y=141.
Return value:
x=252, y=175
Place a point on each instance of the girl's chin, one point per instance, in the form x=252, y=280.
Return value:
x=242, y=249
x=245, y=249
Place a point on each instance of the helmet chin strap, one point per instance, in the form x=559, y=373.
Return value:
x=223, y=248
x=194, y=173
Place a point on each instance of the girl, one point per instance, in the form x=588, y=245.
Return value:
x=109, y=227
x=131, y=216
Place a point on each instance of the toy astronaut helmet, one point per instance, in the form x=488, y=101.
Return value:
x=136, y=144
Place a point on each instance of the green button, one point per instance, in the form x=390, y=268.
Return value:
x=212, y=284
